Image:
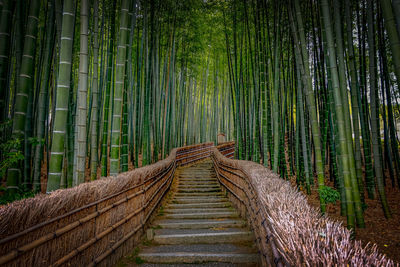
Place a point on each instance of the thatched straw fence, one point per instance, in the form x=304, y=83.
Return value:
x=287, y=229
x=94, y=223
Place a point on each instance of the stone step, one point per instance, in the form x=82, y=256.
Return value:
x=202, y=215
x=199, y=205
x=208, y=174
x=195, y=194
x=199, y=253
x=197, y=210
x=202, y=236
x=200, y=187
x=199, y=223
x=216, y=195
x=206, y=264
x=194, y=173
x=198, y=199
x=198, y=174
x=200, y=169
x=211, y=175
x=199, y=227
x=189, y=182
x=191, y=173
x=198, y=190
x=198, y=179
x=198, y=184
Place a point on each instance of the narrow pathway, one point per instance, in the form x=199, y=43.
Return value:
x=199, y=225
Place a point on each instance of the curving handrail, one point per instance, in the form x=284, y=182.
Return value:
x=99, y=230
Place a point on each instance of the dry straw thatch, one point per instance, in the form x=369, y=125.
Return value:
x=20, y=215
x=303, y=236
x=94, y=223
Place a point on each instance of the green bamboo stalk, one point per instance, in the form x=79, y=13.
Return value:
x=109, y=83
x=310, y=100
x=146, y=138
x=355, y=180
x=364, y=114
x=277, y=121
x=24, y=87
x=393, y=34
x=386, y=82
x=339, y=114
x=62, y=97
x=5, y=40
x=95, y=85
x=264, y=96
x=80, y=139
x=302, y=129
x=375, y=129
x=43, y=96
x=354, y=88
x=119, y=88
x=131, y=85
x=124, y=133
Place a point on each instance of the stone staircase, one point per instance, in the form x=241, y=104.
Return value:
x=199, y=226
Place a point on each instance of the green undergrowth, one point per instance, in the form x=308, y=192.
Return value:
x=329, y=194
x=7, y=196
x=139, y=260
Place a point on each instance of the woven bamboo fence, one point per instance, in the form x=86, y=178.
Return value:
x=92, y=224
x=289, y=232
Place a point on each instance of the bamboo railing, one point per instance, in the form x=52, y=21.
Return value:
x=227, y=149
x=97, y=223
x=189, y=154
x=243, y=194
x=96, y=233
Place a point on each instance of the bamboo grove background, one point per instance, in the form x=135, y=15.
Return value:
x=307, y=88
x=315, y=94
x=109, y=81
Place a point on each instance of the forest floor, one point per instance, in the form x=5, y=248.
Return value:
x=385, y=233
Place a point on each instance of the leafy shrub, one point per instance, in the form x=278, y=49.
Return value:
x=10, y=148
x=10, y=155
x=328, y=194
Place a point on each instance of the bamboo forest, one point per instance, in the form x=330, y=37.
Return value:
x=286, y=110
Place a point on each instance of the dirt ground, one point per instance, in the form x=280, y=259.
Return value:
x=379, y=230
